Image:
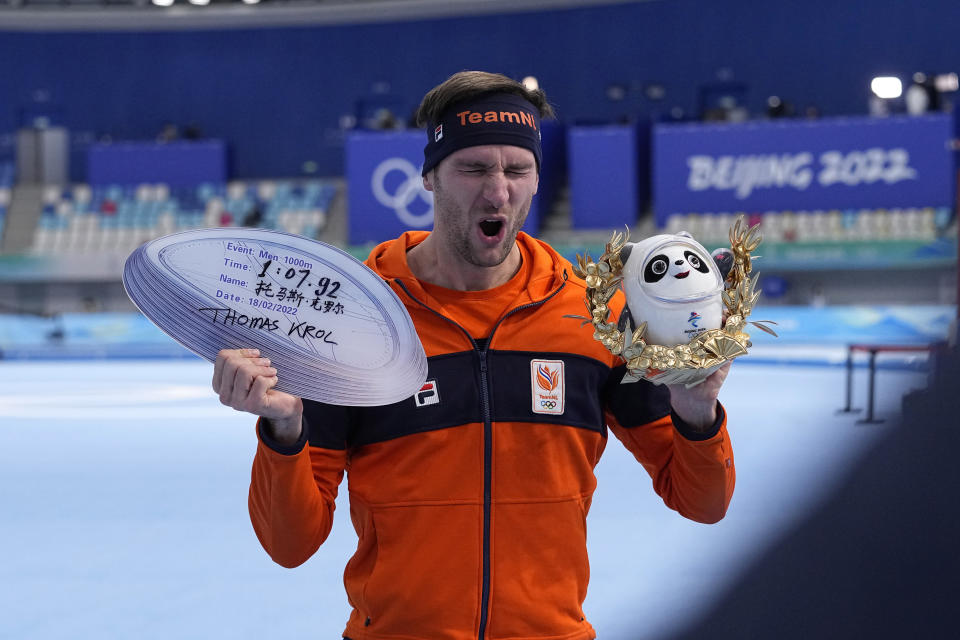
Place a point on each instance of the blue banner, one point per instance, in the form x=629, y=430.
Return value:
x=386, y=191
x=174, y=163
x=605, y=184
x=834, y=163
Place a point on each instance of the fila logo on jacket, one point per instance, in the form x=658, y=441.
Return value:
x=547, y=388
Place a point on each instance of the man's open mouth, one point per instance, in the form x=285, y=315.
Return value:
x=682, y=275
x=491, y=228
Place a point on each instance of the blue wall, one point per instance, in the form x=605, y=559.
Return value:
x=277, y=95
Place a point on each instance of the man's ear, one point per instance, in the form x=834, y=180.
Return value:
x=428, y=180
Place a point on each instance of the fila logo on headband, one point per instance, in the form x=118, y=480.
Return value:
x=438, y=133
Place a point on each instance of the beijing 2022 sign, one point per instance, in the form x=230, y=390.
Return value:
x=835, y=163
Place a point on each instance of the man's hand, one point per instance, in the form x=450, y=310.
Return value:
x=698, y=405
x=245, y=381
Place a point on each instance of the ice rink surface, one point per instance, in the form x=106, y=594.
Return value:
x=123, y=514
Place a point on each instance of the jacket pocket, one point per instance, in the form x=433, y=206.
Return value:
x=540, y=568
x=421, y=572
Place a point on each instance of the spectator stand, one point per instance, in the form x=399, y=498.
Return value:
x=81, y=218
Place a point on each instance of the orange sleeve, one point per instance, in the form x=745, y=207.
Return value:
x=292, y=498
x=693, y=477
x=693, y=472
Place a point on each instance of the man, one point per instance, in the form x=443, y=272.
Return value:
x=470, y=504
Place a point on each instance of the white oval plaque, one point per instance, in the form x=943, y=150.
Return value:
x=334, y=330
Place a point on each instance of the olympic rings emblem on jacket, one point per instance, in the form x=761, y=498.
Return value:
x=548, y=404
x=406, y=192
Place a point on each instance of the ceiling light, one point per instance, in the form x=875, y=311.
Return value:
x=886, y=87
x=946, y=82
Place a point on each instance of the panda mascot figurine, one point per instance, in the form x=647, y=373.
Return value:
x=674, y=285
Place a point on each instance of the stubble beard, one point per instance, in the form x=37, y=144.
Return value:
x=459, y=230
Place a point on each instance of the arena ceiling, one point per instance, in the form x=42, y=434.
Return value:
x=126, y=15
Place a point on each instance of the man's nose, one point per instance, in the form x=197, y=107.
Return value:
x=495, y=190
x=678, y=262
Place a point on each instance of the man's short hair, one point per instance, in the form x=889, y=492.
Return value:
x=468, y=85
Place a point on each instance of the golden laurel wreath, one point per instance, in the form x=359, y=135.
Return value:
x=708, y=349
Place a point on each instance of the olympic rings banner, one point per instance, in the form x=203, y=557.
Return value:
x=386, y=194
x=833, y=163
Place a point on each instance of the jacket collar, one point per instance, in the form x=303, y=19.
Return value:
x=389, y=260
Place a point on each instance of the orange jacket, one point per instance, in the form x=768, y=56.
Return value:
x=471, y=511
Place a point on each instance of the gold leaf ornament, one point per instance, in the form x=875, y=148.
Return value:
x=687, y=363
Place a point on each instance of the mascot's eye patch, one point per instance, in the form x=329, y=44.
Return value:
x=656, y=268
x=694, y=261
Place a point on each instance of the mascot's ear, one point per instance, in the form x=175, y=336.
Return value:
x=625, y=253
x=723, y=258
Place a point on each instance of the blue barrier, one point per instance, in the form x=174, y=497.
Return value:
x=604, y=176
x=131, y=335
x=834, y=163
x=85, y=335
x=840, y=325
x=173, y=163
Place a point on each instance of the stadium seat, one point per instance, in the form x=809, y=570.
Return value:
x=121, y=217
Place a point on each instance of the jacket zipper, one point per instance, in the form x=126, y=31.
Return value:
x=487, y=485
x=487, y=434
